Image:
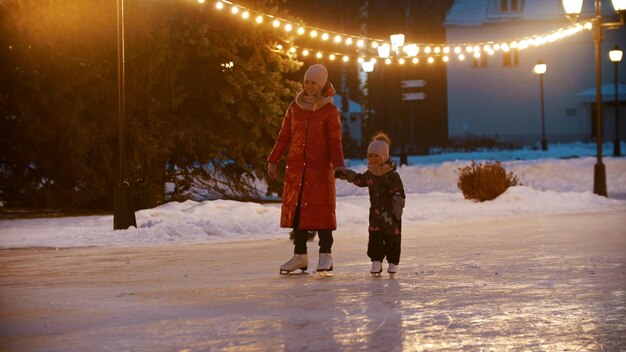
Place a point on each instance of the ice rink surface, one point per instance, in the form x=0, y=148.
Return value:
x=535, y=282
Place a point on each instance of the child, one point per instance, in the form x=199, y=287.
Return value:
x=386, y=204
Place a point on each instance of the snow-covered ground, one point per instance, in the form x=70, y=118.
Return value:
x=559, y=181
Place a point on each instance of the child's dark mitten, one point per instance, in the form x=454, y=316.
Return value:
x=398, y=206
x=349, y=174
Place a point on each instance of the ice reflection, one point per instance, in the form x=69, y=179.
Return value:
x=370, y=319
x=303, y=325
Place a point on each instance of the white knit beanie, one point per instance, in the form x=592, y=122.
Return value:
x=380, y=148
x=317, y=73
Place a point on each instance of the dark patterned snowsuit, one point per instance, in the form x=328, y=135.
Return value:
x=384, y=228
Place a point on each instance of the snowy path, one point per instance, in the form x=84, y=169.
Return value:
x=553, y=283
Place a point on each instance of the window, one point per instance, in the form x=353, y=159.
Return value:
x=510, y=58
x=512, y=5
x=481, y=62
x=504, y=5
x=506, y=59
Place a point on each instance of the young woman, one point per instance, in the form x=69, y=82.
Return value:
x=311, y=130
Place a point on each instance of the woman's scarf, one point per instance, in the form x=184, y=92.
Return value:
x=310, y=103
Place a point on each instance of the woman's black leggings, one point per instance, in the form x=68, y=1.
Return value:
x=301, y=237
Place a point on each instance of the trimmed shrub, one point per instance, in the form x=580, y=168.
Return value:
x=481, y=182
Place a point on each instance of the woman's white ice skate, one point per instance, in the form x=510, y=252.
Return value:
x=299, y=261
x=377, y=268
x=325, y=264
x=392, y=269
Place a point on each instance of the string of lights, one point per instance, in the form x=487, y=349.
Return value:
x=365, y=49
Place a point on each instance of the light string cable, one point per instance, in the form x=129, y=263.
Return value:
x=373, y=49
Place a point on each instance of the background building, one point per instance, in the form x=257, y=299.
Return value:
x=499, y=96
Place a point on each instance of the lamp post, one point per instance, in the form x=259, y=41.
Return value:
x=540, y=69
x=123, y=210
x=572, y=9
x=368, y=67
x=616, y=56
x=397, y=42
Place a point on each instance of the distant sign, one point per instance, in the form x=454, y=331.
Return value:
x=415, y=83
x=414, y=96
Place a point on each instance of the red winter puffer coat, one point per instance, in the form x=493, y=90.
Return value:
x=314, y=142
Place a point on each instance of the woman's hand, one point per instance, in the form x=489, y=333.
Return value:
x=272, y=170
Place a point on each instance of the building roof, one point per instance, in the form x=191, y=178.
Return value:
x=607, y=91
x=355, y=108
x=479, y=12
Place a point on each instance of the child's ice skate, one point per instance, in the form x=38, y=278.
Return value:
x=299, y=261
x=325, y=264
x=377, y=268
x=392, y=269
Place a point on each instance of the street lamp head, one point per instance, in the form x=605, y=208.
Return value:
x=572, y=8
x=616, y=54
x=540, y=68
x=619, y=5
x=397, y=41
x=368, y=66
x=411, y=50
x=384, y=51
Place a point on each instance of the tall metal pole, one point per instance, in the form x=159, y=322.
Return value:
x=617, y=150
x=123, y=212
x=121, y=91
x=599, y=174
x=544, y=142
